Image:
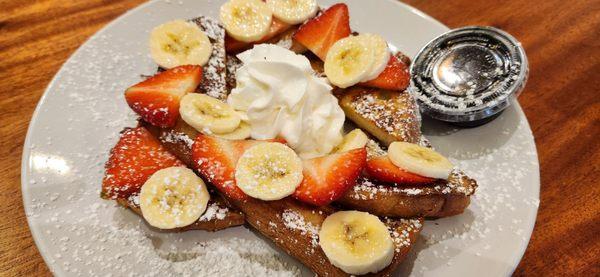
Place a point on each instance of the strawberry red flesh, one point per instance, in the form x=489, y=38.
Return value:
x=156, y=99
x=216, y=159
x=135, y=157
x=382, y=169
x=327, y=178
x=321, y=32
x=394, y=77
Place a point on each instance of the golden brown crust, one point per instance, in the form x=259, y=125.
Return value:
x=437, y=200
x=387, y=115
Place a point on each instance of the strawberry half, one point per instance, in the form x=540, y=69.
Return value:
x=156, y=99
x=216, y=160
x=132, y=161
x=382, y=169
x=277, y=27
x=326, y=179
x=321, y=32
x=395, y=76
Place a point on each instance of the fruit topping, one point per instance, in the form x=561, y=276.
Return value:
x=419, y=160
x=277, y=27
x=246, y=20
x=179, y=42
x=349, y=61
x=208, y=115
x=327, y=178
x=295, y=11
x=382, y=169
x=240, y=133
x=216, y=160
x=382, y=54
x=173, y=197
x=395, y=76
x=321, y=32
x=156, y=99
x=356, y=242
x=353, y=140
x=269, y=171
x=135, y=157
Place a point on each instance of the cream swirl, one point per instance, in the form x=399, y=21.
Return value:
x=282, y=96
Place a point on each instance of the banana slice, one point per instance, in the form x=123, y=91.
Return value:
x=356, y=242
x=178, y=43
x=246, y=20
x=269, y=171
x=419, y=160
x=353, y=140
x=205, y=113
x=173, y=197
x=293, y=11
x=349, y=61
x=240, y=133
x=382, y=55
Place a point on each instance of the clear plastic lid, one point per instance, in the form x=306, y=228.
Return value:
x=469, y=74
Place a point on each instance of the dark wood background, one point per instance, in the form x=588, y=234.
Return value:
x=561, y=100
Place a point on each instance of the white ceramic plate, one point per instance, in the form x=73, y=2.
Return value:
x=80, y=115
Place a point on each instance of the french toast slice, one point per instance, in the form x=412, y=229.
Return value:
x=387, y=115
x=290, y=224
x=442, y=199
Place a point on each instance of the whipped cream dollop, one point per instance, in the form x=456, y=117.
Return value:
x=282, y=96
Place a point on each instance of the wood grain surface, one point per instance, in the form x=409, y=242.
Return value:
x=561, y=101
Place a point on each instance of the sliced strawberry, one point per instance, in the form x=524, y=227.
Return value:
x=277, y=27
x=394, y=77
x=132, y=161
x=216, y=160
x=156, y=99
x=321, y=32
x=326, y=179
x=382, y=169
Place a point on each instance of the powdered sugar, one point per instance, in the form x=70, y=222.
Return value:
x=214, y=211
x=214, y=82
x=295, y=221
x=394, y=113
x=175, y=137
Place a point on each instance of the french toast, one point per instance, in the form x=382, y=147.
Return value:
x=442, y=199
x=288, y=223
x=387, y=115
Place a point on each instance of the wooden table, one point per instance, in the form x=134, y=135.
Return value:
x=562, y=40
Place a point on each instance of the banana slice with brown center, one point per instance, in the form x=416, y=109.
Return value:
x=173, y=197
x=356, y=242
x=207, y=114
x=269, y=171
x=419, y=160
x=179, y=42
